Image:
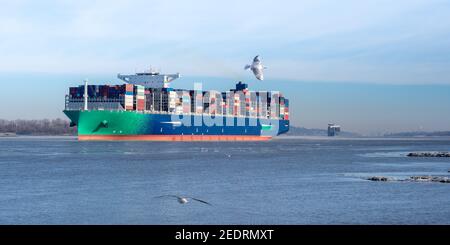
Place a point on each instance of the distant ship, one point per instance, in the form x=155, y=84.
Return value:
x=146, y=108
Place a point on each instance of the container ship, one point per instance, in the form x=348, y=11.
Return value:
x=145, y=107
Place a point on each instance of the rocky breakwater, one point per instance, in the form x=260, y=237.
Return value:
x=379, y=178
x=438, y=179
x=428, y=154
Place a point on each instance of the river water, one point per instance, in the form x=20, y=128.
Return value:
x=291, y=180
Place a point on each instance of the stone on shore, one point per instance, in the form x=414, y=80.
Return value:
x=379, y=178
x=440, y=179
x=428, y=154
x=423, y=178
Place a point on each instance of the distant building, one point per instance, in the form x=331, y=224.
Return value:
x=333, y=129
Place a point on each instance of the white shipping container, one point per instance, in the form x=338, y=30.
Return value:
x=128, y=99
x=179, y=110
x=172, y=94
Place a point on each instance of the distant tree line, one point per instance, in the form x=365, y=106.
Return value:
x=37, y=127
x=300, y=131
x=419, y=134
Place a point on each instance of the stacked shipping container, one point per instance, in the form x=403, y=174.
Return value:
x=139, y=92
x=186, y=102
x=98, y=91
x=129, y=89
x=236, y=102
x=286, y=109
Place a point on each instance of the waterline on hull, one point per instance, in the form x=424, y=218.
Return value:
x=172, y=138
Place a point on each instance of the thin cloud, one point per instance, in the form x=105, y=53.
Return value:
x=362, y=41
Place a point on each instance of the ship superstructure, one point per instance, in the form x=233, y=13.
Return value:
x=149, y=79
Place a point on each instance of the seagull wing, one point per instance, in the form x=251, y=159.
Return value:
x=198, y=200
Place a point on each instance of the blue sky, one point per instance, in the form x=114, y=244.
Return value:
x=364, y=64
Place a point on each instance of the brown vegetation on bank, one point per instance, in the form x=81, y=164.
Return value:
x=37, y=127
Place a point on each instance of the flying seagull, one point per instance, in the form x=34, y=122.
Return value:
x=257, y=68
x=184, y=200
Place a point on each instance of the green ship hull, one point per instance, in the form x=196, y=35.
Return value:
x=134, y=125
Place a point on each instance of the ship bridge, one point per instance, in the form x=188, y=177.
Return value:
x=150, y=79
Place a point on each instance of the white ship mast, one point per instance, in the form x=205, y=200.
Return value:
x=86, y=96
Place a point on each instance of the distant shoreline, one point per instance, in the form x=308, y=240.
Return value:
x=337, y=138
x=61, y=127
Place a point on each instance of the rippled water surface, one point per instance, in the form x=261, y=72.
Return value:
x=283, y=181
